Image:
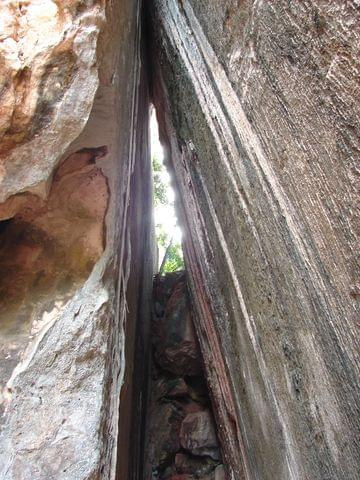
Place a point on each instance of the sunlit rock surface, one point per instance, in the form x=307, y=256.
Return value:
x=259, y=108
x=72, y=200
x=48, y=81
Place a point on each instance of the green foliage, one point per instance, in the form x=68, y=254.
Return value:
x=157, y=165
x=161, y=237
x=160, y=195
x=174, y=260
x=174, y=257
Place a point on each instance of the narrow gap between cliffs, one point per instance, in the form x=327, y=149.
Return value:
x=180, y=437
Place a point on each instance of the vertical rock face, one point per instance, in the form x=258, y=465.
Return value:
x=258, y=109
x=73, y=135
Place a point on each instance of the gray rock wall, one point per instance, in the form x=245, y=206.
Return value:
x=258, y=104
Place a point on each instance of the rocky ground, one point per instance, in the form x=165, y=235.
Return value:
x=182, y=442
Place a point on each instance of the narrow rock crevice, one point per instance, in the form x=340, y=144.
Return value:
x=246, y=366
x=181, y=439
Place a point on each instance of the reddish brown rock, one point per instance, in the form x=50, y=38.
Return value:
x=176, y=346
x=186, y=397
x=165, y=284
x=198, y=436
x=165, y=433
x=192, y=407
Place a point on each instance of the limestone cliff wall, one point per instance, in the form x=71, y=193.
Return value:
x=259, y=108
x=73, y=135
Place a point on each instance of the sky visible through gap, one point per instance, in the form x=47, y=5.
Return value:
x=166, y=225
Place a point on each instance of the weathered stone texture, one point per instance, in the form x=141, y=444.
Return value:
x=48, y=81
x=48, y=249
x=74, y=133
x=176, y=344
x=180, y=434
x=259, y=108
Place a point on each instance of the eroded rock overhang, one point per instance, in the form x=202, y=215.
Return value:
x=76, y=252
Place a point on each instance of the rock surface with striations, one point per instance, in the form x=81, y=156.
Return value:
x=258, y=104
